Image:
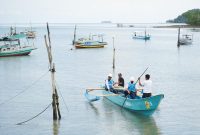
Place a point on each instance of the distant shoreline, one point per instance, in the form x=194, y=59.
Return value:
x=177, y=26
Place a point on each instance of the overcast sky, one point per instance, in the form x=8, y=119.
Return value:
x=92, y=11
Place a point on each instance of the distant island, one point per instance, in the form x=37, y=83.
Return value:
x=191, y=17
x=106, y=22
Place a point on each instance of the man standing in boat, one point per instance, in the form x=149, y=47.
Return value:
x=147, y=84
x=109, y=84
x=130, y=89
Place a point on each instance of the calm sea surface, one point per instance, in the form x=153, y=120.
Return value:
x=175, y=72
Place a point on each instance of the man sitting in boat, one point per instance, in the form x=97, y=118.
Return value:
x=109, y=84
x=147, y=84
x=120, y=80
x=130, y=89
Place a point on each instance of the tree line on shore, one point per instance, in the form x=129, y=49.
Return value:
x=191, y=17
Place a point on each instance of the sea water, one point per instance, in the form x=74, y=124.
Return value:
x=174, y=71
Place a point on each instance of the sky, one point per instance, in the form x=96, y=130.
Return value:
x=93, y=11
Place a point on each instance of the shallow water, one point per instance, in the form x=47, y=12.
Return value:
x=175, y=73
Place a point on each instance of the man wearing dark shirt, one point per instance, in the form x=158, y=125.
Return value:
x=120, y=80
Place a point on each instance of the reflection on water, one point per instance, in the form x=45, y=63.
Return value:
x=116, y=120
x=90, y=105
x=133, y=122
x=145, y=125
x=56, y=126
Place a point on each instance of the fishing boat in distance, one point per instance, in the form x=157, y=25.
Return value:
x=141, y=35
x=186, y=39
x=12, y=46
x=90, y=42
x=30, y=34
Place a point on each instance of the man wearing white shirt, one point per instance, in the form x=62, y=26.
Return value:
x=147, y=84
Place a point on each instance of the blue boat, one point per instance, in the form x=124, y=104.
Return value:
x=139, y=35
x=144, y=106
x=147, y=37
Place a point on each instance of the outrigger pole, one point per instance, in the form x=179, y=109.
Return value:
x=55, y=102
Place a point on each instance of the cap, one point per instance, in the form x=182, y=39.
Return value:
x=132, y=78
x=110, y=75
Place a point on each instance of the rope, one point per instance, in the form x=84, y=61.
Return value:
x=62, y=98
x=28, y=87
x=20, y=123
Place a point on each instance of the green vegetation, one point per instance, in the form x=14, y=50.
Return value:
x=191, y=17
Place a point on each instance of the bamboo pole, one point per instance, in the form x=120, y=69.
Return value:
x=113, y=54
x=55, y=102
x=74, y=40
x=178, y=42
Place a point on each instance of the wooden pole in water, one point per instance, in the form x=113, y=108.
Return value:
x=178, y=42
x=74, y=36
x=55, y=102
x=113, y=54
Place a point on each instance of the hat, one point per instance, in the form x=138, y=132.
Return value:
x=110, y=75
x=132, y=78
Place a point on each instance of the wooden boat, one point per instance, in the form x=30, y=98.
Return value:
x=11, y=46
x=89, y=43
x=17, y=50
x=186, y=40
x=144, y=106
x=138, y=35
x=30, y=34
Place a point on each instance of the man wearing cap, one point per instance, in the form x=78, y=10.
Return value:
x=130, y=89
x=109, y=84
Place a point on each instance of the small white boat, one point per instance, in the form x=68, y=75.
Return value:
x=186, y=39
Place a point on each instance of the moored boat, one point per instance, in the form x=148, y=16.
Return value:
x=89, y=43
x=11, y=46
x=15, y=50
x=139, y=35
x=30, y=34
x=186, y=39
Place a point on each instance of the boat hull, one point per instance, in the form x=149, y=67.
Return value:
x=142, y=37
x=185, y=42
x=89, y=46
x=144, y=106
x=21, y=52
